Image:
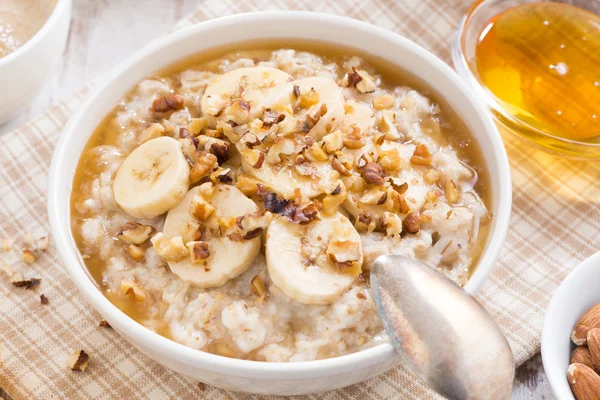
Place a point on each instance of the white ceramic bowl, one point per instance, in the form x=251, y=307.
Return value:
x=24, y=72
x=251, y=376
x=575, y=295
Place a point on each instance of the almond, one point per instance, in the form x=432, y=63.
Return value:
x=581, y=355
x=589, y=320
x=584, y=382
x=593, y=341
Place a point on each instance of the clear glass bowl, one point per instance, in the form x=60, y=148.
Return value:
x=463, y=56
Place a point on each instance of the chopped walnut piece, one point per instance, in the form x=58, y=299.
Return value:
x=282, y=147
x=221, y=175
x=383, y=102
x=309, y=98
x=344, y=253
x=170, y=102
x=411, y=223
x=361, y=296
x=373, y=173
x=392, y=223
x=258, y=286
x=296, y=213
x=197, y=126
x=28, y=256
x=238, y=112
x=315, y=153
x=25, y=283
x=333, y=142
x=334, y=200
x=135, y=252
x=391, y=161
x=199, y=251
x=171, y=249
x=374, y=197
x=253, y=222
x=104, y=324
x=432, y=176
x=200, y=209
x=154, y=131
x=396, y=202
x=314, y=115
x=129, y=287
x=367, y=83
x=204, y=165
x=44, y=300
x=135, y=233
x=353, y=78
x=339, y=167
x=221, y=151
x=7, y=244
x=421, y=155
x=354, y=139
x=452, y=191
x=247, y=184
x=388, y=126
x=271, y=118
x=42, y=242
x=78, y=361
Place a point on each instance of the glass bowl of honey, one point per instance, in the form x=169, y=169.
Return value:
x=536, y=64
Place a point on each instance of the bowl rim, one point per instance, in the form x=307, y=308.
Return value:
x=61, y=230
x=558, y=379
x=61, y=7
x=462, y=68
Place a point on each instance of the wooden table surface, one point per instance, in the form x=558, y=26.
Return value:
x=103, y=32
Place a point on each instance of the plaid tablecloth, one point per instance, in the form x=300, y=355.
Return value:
x=554, y=226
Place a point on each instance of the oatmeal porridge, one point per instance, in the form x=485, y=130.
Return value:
x=235, y=203
x=20, y=20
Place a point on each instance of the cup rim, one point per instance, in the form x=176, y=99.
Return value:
x=60, y=7
x=61, y=231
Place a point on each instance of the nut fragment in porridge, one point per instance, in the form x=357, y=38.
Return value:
x=236, y=204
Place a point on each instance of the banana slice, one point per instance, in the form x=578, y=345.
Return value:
x=328, y=93
x=258, y=87
x=152, y=179
x=314, y=263
x=229, y=257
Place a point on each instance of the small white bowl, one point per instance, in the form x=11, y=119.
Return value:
x=24, y=72
x=575, y=295
x=243, y=375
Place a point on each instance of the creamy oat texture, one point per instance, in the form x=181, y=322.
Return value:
x=236, y=206
x=20, y=20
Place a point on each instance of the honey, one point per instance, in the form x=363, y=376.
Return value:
x=541, y=62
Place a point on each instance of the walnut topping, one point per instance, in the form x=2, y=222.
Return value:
x=247, y=184
x=432, y=176
x=135, y=233
x=170, y=249
x=296, y=213
x=396, y=202
x=452, y=191
x=333, y=142
x=258, y=287
x=309, y=99
x=392, y=223
x=400, y=188
x=221, y=175
x=135, y=252
x=197, y=126
x=339, y=167
x=44, y=300
x=42, y=242
x=221, y=151
x=304, y=167
x=238, y=112
x=129, y=287
x=271, y=118
x=315, y=153
x=373, y=173
x=200, y=209
x=204, y=165
x=251, y=140
x=367, y=83
x=388, y=126
x=354, y=139
x=28, y=256
x=391, y=161
x=353, y=78
x=164, y=104
x=374, y=197
x=332, y=201
x=421, y=155
x=199, y=251
x=254, y=223
x=383, y=102
x=314, y=115
x=361, y=296
x=344, y=253
x=154, y=131
x=78, y=361
x=411, y=223
x=26, y=283
x=282, y=147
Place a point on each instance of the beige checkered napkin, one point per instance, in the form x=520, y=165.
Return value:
x=554, y=226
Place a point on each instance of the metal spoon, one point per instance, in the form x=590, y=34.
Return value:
x=442, y=333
